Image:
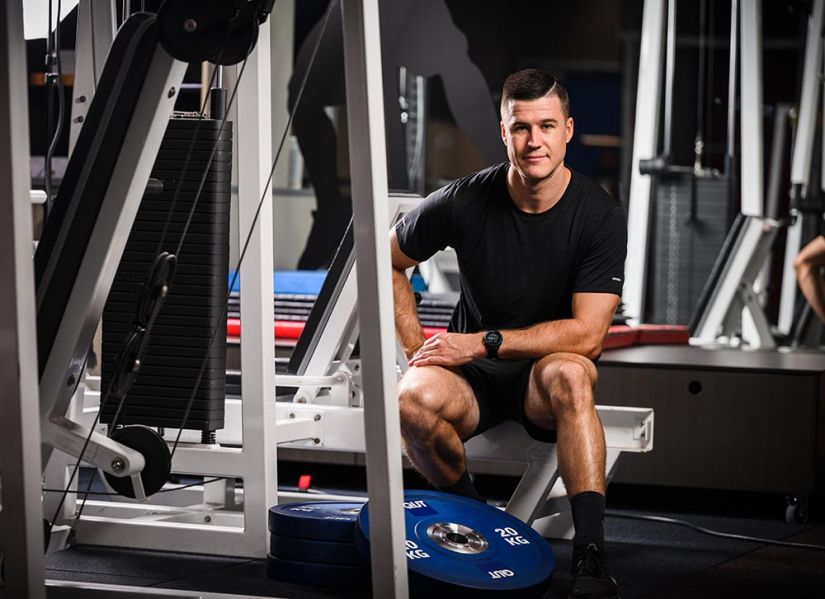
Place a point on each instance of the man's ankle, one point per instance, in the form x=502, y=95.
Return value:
x=588, y=518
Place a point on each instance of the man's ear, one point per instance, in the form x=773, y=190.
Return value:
x=503, y=132
x=569, y=126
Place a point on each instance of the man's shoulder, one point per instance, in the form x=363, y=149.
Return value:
x=593, y=194
x=476, y=182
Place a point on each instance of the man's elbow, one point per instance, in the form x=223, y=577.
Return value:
x=594, y=344
x=594, y=351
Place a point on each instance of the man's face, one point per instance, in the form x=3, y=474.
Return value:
x=536, y=133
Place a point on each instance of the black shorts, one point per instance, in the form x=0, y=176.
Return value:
x=500, y=387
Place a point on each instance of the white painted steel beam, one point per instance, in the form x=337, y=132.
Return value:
x=645, y=145
x=254, y=159
x=21, y=532
x=368, y=168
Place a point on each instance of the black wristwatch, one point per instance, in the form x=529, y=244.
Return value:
x=492, y=341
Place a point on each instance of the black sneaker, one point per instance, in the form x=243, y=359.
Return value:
x=591, y=575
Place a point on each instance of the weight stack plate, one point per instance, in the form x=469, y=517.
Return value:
x=182, y=337
x=687, y=240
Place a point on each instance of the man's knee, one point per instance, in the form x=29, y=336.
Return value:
x=419, y=405
x=568, y=380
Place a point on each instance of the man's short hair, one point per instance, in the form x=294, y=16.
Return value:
x=532, y=84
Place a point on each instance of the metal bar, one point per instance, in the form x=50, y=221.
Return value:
x=368, y=169
x=752, y=179
x=95, y=33
x=808, y=101
x=21, y=535
x=751, y=115
x=105, y=247
x=780, y=134
x=746, y=258
x=732, y=63
x=801, y=161
x=254, y=159
x=670, y=65
x=64, y=589
x=281, y=60
x=645, y=140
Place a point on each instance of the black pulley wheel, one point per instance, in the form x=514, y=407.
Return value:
x=194, y=30
x=238, y=46
x=153, y=448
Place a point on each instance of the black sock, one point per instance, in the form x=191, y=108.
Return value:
x=464, y=487
x=588, y=518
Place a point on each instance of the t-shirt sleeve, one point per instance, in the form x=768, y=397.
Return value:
x=427, y=228
x=601, y=269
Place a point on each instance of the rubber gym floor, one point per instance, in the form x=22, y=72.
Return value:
x=650, y=559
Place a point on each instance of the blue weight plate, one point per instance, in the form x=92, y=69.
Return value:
x=456, y=544
x=319, y=552
x=318, y=520
x=317, y=574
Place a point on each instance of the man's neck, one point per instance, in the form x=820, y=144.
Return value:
x=537, y=196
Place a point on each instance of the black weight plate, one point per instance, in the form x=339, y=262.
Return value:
x=458, y=545
x=317, y=574
x=316, y=552
x=320, y=520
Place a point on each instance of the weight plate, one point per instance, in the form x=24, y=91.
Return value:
x=320, y=521
x=456, y=544
x=316, y=574
x=317, y=552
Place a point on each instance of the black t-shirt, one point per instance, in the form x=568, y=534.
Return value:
x=518, y=269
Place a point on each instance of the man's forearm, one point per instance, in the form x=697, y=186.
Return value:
x=568, y=335
x=407, y=326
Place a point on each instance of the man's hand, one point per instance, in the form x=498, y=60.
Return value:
x=449, y=349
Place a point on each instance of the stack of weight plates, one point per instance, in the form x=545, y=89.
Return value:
x=194, y=163
x=313, y=543
x=458, y=547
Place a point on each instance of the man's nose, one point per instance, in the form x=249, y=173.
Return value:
x=535, y=137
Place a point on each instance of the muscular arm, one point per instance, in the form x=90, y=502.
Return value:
x=407, y=326
x=582, y=334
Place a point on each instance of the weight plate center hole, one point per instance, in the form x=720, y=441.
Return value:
x=457, y=538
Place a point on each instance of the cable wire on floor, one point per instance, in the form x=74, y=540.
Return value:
x=714, y=533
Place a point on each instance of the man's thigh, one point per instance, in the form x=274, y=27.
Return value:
x=444, y=392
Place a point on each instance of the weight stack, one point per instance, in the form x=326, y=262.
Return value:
x=688, y=234
x=182, y=337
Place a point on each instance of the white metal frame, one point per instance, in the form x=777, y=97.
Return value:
x=330, y=350
x=90, y=289
x=368, y=168
x=645, y=145
x=21, y=535
x=540, y=499
x=734, y=289
x=752, y=139
x=802, y=159
x=96, y=28
x=204, y=528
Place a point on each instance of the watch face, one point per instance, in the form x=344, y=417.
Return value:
x=492, y=338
